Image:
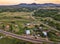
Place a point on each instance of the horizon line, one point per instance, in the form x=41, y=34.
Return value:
x=29, y=3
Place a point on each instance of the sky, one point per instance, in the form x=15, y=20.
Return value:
x=12, y=2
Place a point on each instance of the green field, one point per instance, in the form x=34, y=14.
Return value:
x=14, y=22
x=14, y=18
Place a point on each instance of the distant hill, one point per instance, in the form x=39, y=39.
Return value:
x=38, y=5
x=33, y=5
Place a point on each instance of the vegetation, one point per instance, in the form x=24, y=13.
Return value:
x=16, y=20
x=53, y=13
x=10, y=40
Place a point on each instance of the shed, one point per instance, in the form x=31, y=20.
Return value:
x=28, y=32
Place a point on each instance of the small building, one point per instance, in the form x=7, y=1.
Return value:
x=28, y=32
x=40, y=27
x=38, y=35
x=16, y=25
x=7, y=26
x=45, y=33
x=28, y=24
x=1, y=37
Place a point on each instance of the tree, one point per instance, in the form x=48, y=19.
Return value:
x=3, y=26
x=11, y=28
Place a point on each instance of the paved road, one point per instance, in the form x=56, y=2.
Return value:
x=24, y=38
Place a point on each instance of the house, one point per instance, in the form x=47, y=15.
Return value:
x=45, y=33
x=40, y=27
x=38, y=35
x=28, y=24
x=16, y=25
x=7, y=27
x=27, y=32
x=1, y=37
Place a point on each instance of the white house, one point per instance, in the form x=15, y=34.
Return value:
x=28, y=32
x=45, y=33
x=28, y=24
x=40, y=27
x=1, y=37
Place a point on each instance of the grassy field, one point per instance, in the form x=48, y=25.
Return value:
x=15, y=18
x=15, y=22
